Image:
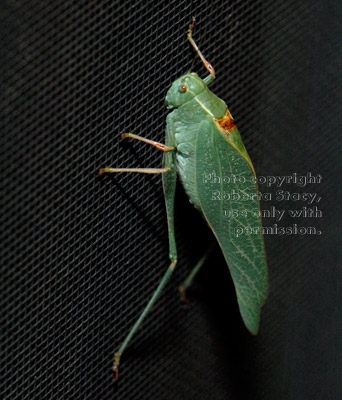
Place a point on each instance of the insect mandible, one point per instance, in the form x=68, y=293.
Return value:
x=203, y=147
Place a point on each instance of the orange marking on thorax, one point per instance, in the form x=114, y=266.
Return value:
x=227, y=122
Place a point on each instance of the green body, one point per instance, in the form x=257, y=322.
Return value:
x=219, y=179
x=204, y=148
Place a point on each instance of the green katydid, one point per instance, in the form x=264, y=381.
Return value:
x=204, y=148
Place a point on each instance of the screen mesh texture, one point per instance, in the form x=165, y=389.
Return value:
x=82, y=254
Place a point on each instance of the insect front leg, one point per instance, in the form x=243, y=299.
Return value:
x=158, y=145
x=169, y=185
x=206, y=63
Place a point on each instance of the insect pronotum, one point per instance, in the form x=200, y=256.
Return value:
x=204, y=148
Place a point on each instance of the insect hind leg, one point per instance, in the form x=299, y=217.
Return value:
x=188, y=281
x=139, y=321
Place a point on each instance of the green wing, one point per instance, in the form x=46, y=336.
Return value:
x=227, y=197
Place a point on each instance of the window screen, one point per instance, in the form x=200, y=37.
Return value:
x=82, y=254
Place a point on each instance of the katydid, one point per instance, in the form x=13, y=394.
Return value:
x=204, y=148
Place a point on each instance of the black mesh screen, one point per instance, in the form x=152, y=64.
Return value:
x=82, y=254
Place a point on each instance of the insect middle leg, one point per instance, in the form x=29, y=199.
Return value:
x=169, y=184
x=158, y=145
x=138, y=170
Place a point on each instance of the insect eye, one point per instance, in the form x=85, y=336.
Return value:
x=183, y=88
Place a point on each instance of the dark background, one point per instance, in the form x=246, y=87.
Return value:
x=81, y=255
